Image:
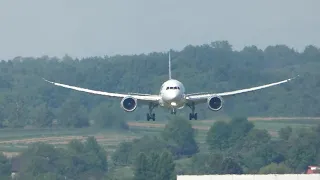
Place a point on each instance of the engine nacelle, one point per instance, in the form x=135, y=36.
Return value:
x=215, y=103
x=129, y=104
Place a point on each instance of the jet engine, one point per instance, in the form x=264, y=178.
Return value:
x=129, y=104
x=214, y=103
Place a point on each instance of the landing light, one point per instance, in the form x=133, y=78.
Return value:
x=173, y=103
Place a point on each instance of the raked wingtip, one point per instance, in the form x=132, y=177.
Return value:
x=295, y=77
x=46, y=80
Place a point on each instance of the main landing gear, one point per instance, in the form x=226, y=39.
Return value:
x=192, y=115
x=151, y=115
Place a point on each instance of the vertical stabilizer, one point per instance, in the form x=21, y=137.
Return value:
x=169, y=64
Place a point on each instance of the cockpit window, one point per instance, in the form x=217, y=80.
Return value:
x=177, y=87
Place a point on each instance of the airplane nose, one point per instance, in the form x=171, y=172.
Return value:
x=172, y=96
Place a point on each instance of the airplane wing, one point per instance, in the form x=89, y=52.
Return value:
x=198, y=98
x=142, y=97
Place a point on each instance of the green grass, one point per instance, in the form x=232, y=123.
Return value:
x=11, y=134
x=112, y=137
x=11, y=148
x=277, y=125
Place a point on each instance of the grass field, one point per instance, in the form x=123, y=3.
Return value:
x=13, y=141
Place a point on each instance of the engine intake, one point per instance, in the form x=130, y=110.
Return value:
x=215, y=103
x=129, y=104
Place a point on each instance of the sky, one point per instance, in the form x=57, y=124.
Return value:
x=82, y=28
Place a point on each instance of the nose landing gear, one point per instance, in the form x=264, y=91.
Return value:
x=173, y=111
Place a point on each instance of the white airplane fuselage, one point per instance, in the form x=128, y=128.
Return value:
x=172, y=93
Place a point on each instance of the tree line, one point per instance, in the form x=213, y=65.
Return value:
x=27, y=100
x=234, y=147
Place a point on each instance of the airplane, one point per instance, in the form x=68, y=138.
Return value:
x=172, y=96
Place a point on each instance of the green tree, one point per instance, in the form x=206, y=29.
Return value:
x=76, y=146
x=95, y=154
x=254, y=139
x=108, y=117
x=203, y=163
x=122, y=155
x=5, y=166
x=285, y=133
x=141, y=167
x=274, y=168
x=15, y=110
x=240, y=127
x=230, y=166
x=38, y=159
x=218, y=136
x=257, y=150
x=88, y=159
x=73, y=114
x=215, y=163
x=41, y=116
x=78, y=161
x=156, y=165
x=127, y=152
x=223, y=135
x=166, y=167
x=303, y=149
x=180, y=135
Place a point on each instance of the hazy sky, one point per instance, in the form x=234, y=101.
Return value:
x=104, y=27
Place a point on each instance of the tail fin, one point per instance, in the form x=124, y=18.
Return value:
x=169, y=64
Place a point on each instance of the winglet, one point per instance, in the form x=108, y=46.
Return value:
x=48, y=81
x=294, y=77
x=169, y=64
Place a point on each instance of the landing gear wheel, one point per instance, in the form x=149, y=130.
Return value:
x=173, y=111
x=193, y=116
x=151, y=116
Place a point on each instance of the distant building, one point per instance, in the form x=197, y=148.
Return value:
x=15, y=167
x=252, y=177
x=313, y=170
